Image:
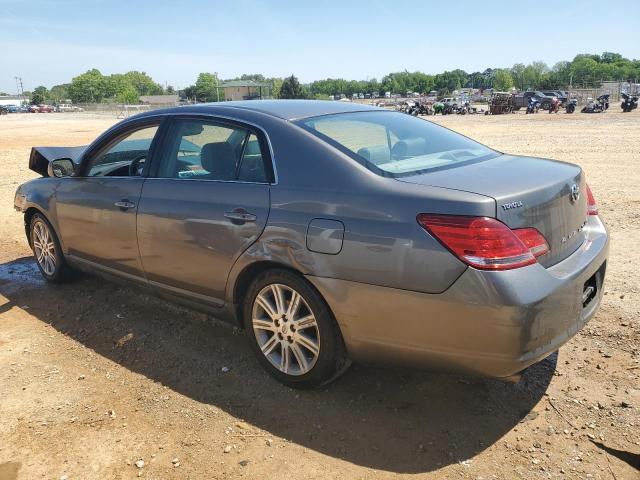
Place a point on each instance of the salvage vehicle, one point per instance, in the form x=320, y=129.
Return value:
x=559, y=94
x=629, y=102
x=500, y=103
x=570, y=105
x=331, y=232
x=600, y=105
x=521, y=100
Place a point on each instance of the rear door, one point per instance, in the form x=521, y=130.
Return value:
x=96, y=210
x=205, y=202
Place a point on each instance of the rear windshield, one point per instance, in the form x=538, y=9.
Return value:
x=396, y=144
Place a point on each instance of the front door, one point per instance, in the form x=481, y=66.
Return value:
x=96, y=210
x=203, y=205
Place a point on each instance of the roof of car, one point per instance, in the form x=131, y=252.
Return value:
x=285, y=109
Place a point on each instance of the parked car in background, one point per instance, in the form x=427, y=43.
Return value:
x=329, y=231
x=559, y=94
x=33, y=109
x=67, y=107
x=23, y=109
x=45, y=108
x=521, y=100
x=11, y=108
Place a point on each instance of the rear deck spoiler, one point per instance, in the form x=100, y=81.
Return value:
x=41, y=157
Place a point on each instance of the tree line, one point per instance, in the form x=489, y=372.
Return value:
x=585, y=70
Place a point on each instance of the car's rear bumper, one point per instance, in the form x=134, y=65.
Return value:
x=486, y=323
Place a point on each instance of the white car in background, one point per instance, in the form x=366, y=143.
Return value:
x=67, y=107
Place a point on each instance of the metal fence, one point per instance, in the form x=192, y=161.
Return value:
x=120, y=110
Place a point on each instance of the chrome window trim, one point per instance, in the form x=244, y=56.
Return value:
x=205, y=180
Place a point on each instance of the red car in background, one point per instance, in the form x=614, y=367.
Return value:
x=42, y=108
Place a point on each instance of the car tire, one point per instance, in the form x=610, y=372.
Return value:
x=292, y=331
x=47, y=251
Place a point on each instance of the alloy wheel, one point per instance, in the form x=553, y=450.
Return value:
x=286, y=329
x=44, y=247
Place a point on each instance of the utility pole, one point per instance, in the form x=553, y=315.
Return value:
x=19, y=88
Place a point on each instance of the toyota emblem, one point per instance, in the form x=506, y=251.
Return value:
x=575, y=192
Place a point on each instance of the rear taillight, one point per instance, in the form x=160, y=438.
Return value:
x=484, y=242
x=592, y=206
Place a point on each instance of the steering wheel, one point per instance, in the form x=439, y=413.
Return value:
x=137, y=165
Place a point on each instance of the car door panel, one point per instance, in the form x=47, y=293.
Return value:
x=93, y=227
x=96, y=211
x=190, y=232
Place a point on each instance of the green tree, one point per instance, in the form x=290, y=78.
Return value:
x=143, y=83
x=502, y=80
x=88, y=87
x=59, y=93
x=39, y=95
x=585, y=71
x=291, y=88
x=276, y=86
x=517, y=73
x=206, y=87
x=128, y=95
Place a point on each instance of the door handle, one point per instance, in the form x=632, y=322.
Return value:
x=240, y=216
x=124, y=204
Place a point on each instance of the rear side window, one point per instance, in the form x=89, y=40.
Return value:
x=205, y=150
x=396, y=144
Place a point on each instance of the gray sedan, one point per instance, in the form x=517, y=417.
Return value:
x=330, y=232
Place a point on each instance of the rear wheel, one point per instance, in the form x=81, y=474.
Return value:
x=292, y=331
x=47, y=251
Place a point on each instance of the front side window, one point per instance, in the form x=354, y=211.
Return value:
x=124, y=158
x=396, y=144
x=204, y=150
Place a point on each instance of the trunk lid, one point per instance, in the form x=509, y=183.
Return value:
x=529, y=192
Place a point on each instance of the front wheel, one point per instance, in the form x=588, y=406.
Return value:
x=292, y=331
x=47, y=251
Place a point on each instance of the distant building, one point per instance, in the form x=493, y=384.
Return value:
x=159, y=99
x=12, y=100
x=244, y=90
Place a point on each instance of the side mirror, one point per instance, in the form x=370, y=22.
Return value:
x=61, y=167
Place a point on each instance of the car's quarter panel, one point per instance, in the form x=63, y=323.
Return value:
x=488, y=323
x=93, y=227
x=185, y=240
x=383, y=243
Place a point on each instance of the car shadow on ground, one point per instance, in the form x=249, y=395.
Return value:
x=387, y=419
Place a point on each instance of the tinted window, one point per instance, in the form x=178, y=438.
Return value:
x=212, y=151
x=252, y=164
x=126, y=157
x=396, y=144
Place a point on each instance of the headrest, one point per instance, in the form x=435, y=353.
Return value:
x=376, y=154
x=410, y=147
x=219, y=160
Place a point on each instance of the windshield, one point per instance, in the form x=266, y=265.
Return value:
x=395, y=144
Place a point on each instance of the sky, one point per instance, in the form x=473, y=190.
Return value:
x=50, y=42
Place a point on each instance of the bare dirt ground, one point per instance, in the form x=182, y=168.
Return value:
x=99, y=381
